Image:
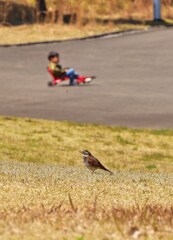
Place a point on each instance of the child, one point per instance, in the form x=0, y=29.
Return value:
x=60, y=72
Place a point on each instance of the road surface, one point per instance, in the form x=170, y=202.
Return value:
x=134, y=85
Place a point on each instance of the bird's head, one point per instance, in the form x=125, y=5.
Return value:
x=86, y=153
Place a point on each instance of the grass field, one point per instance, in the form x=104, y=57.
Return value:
x=51, y=32
x=46, y=193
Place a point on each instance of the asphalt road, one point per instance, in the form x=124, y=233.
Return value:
x=134, y=85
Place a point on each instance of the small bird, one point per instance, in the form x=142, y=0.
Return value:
x=92, y=163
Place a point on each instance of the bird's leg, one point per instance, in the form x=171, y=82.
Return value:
x=93, y=171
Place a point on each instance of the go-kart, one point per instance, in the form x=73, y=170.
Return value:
x=79, y=80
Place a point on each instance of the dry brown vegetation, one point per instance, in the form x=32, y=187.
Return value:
x=14, y=13
x=83, y=11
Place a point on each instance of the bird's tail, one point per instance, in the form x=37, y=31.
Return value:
x=109, y=171
x=102, y=167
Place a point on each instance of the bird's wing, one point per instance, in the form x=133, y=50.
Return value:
x=93, y=161
x=96, y=163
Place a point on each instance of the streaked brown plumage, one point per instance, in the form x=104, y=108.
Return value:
x=92, y=163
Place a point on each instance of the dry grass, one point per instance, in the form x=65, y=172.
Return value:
x=46, y=193
x=51, y=202
x=49, y=32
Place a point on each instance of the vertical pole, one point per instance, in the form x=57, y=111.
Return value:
x=157, y=10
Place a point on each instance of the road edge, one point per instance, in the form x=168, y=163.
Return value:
x=103, y=35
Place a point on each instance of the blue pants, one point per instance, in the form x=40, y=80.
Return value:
x=72, y=75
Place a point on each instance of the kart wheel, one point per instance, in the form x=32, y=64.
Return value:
x=50, y=84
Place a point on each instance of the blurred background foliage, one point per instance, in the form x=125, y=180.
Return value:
x=78, y=11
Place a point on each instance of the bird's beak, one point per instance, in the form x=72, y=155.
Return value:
x=81, y=152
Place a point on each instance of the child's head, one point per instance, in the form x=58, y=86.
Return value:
x=53, y=57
